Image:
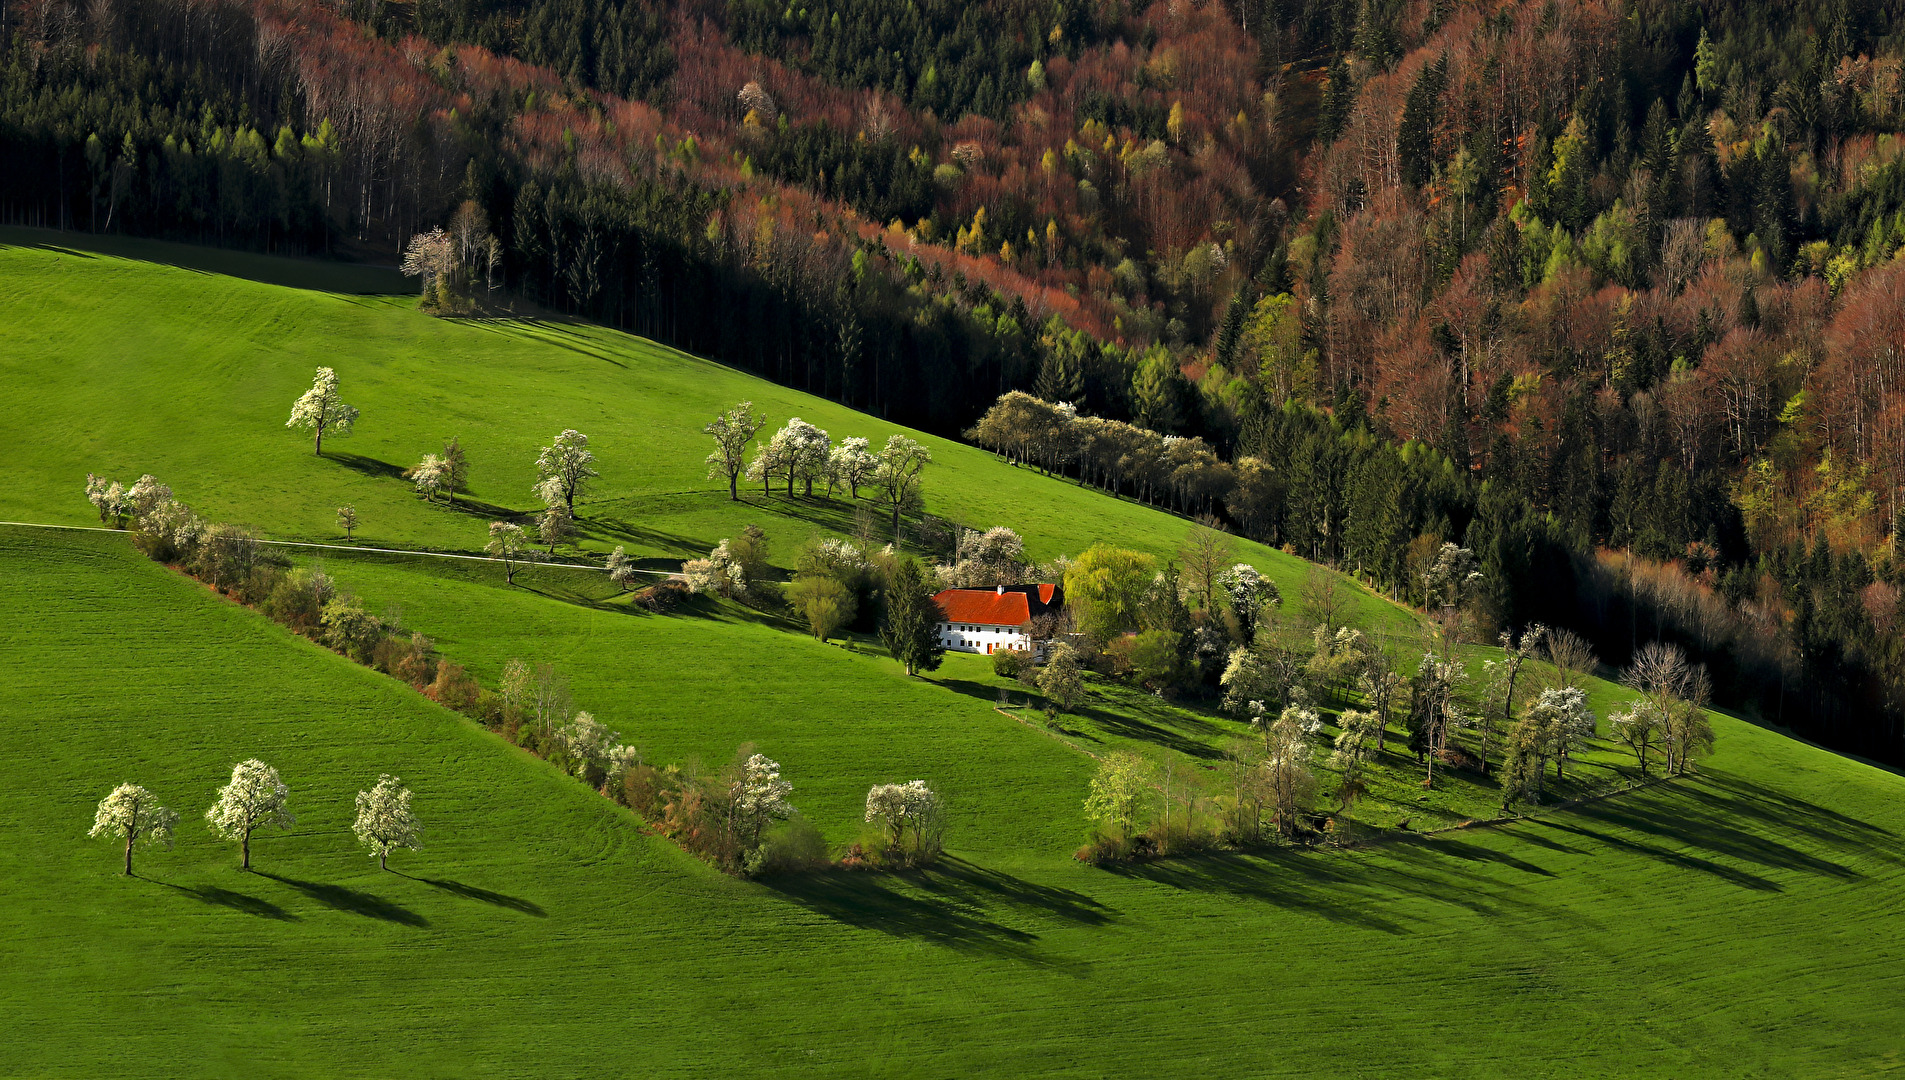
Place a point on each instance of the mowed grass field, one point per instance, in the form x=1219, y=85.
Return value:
x=122, y=366
x=1739, y=924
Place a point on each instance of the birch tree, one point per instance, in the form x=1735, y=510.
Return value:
x=732, y=431
x=321, y=410
x=255, y=798
x=385, y=820
x=134, y=813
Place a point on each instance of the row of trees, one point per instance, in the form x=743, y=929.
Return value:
x=728, y=818
x=256, y=798
x=801, y=453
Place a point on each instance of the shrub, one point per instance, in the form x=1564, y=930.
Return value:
x=662, y=596
x=298, y=600
x=453, y=688
x=350, y=629
x=789, y=847
x=1104, y=847
x=259, y=584
x=1011, y=663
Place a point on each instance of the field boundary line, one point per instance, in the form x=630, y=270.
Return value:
x=370, y=550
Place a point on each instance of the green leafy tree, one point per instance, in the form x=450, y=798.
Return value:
x=1105, y=588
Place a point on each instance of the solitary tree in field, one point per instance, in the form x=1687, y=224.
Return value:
x=897, y=476
x=134, y=813
x=506, y=543
x=385, y=821
x=347, y=520
x=254, y=798
x=563, y=467
x=911, y=627
x=732, y=431
x=899, y=809
x=321, y=410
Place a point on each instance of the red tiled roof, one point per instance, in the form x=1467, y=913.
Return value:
x=1045, y=593
x=985, y=606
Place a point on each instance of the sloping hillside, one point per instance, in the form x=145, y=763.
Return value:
x=1737, y=924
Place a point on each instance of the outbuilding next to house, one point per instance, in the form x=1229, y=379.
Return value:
x=985, y=620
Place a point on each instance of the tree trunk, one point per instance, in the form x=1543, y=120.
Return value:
x=244, y=851
x=129, y=839
x=383, y=859
x=320, y=440
x=734, y=494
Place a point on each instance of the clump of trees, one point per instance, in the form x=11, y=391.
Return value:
x=910, y=819
x=805, y=455
x=457, y=268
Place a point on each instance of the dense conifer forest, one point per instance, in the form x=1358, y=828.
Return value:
x=1608, y=292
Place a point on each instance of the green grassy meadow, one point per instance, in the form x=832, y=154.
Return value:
x=1741, y=923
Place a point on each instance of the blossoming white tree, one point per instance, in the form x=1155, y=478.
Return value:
x=732, y=431
x=898, y=475
x=563, y=467
x=321, y=410
x=385, y=820
x=110, y=498
x=759, y=798
x=134, y=813
x=506, y=543
x=622, y=569
x=254, y=798
x=900, y=809
x=850, y=464
x=589, y=742
x=431, y=476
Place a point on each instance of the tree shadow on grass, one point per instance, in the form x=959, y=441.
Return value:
x=236, y=901
x=968, y=883
x=1706, y=819
x=339, y=898
x=866, y=901
x=1285, y=880
x=471, y=892
x=1675, y=858
x=369, y=466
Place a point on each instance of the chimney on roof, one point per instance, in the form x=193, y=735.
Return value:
x=999, y=590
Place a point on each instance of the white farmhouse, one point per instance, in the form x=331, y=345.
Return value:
x=985, y=620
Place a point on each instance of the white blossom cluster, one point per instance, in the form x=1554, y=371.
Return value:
x=720, y=573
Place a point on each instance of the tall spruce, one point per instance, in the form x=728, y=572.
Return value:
x=910, y=628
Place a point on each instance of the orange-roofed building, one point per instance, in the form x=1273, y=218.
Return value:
x=986, y=620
